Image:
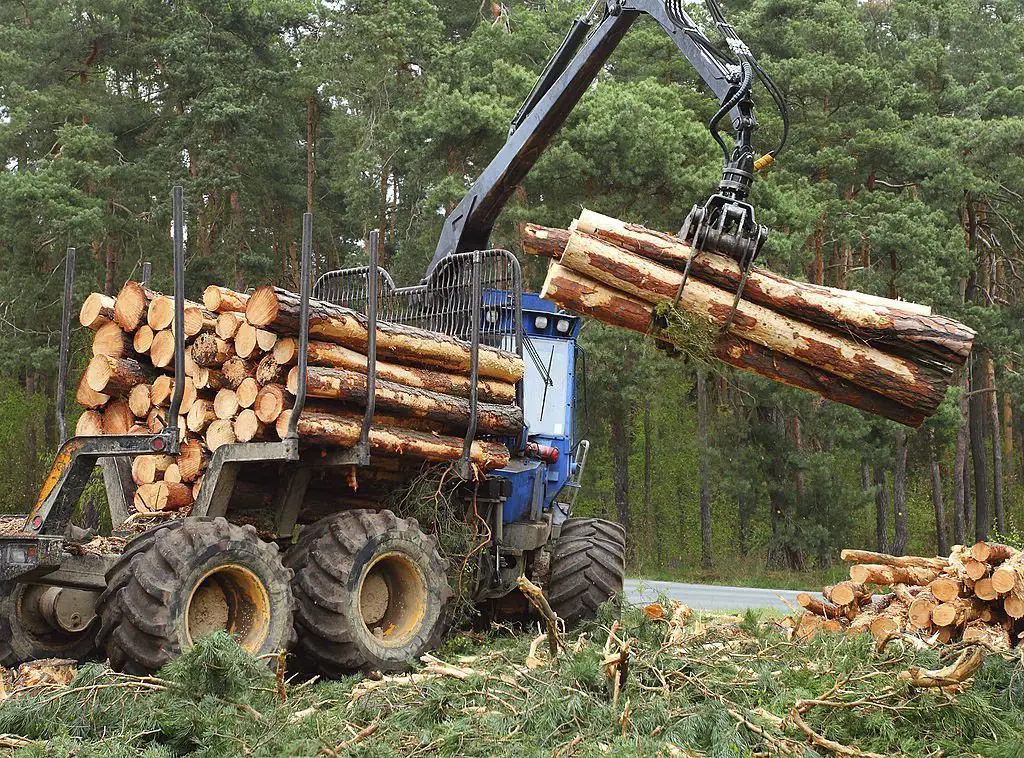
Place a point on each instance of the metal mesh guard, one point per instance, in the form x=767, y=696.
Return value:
x=443, y=302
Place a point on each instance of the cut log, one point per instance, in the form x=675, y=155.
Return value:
x=578, y=293
x=975, y=569
x=220, y=432
x=140, y=400
x=956, y=612
x=885, y=626
x=208, y=379
x=818, y=607
x=227, y=324
x=147, y=469
x=200, y=415
x=994, y=638
x=221, y=299
x=983, y=589
x=97, y=310
x=278, y=310
x=163, y=390
x=544, y=241
x=162, y=496
x=198, y=320
x=866, y=573
x=87, y=397
x=918, y=385
x=919, y=612
x=210, y=351
x=286, y=353
x=114, y=376
x=1009, y=575
x=848, y=593
x=265, y=340
x=247, y=392
x=131, y=305
x=1013, y=604
x=235, y=370
x=269, y=371
x=342, y=384
x=160, y=314
x=156, y=420
x=898, y=325
x=90, y=424
x=908, y=561
x=112, y=341
x=225, y=405
x=343, y=431
x=191, y=367
x=142, y=340
x=172, y=475
x=191, y=460
x=991, y=552
x=945, y=588
x=161, y=352
x=245, y=342
x=271, y=402
x=247, y=427
x=117, y=417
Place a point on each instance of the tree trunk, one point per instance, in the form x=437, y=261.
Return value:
x=992, y=401
x=706, y=558
x=899, y=493
x=621, y=445
x=881, y=511
x=584, y=295
x=649, y=517
x=979, y=456
x=942, y=542
x=959, y=462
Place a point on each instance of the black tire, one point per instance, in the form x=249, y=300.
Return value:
x=26, y=636
x=347, y=555
x=201, y=576
x=587, y=568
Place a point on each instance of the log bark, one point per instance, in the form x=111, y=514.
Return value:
x=903, y=327
x=235, y=370
x=909, y=561
x=224, y=300
x=343, y=431
x=919, y=386
x=866, y=573
x=97, y=310
x=338, y=356
x=589, y=297
x=341, y=384
x=278, y=310
x=818, y=607
x=271, y=402
x=210, y=351
x=162, y=496
x=269, y=371
x=131, y=305
x=114, y=376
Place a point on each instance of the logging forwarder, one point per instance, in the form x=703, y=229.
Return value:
x=368, y=588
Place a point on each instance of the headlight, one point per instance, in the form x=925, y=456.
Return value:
x=562, y=326
x=541, y=322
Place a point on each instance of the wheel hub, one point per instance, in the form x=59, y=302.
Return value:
x=229, y=598
x=67, y=610
x=392, y=599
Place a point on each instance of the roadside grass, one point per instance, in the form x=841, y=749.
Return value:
x=711, y=686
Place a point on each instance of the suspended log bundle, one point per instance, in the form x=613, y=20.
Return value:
x=933, y=599
x=241, y=379
x=887, y=357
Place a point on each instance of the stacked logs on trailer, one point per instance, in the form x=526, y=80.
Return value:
x=889, y=357
x=241, y=380
x=976, y=594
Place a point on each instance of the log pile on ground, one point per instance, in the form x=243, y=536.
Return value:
x=888, y=357
x=241, y=378
x=976, y=594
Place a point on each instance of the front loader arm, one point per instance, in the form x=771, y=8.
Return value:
x=566, y=78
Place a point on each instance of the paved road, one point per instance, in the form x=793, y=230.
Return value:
x=709, y=597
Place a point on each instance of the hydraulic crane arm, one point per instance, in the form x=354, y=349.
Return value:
x=725, y=223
